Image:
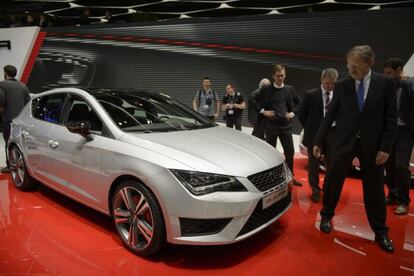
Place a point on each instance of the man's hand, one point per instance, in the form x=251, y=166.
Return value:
x=289, y=115
x=317, y=152
x=269, y=113
x=381, y=158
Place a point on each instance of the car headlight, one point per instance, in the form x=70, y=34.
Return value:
x=199, y=183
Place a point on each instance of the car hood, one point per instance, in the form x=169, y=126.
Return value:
x=217, y=149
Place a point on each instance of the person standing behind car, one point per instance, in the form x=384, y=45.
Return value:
x=233, y=105
x=312, y=110
x=14, y=95
x=206, y=101
x=278, y=104
x=253, y=111
x=398, y=176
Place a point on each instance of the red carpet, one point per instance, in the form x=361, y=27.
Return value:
x=44, y=233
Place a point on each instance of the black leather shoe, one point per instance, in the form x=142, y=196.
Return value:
x=297, y=183
x=385, y=243
x=325, y=225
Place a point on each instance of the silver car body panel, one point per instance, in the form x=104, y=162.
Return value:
x=86, y=169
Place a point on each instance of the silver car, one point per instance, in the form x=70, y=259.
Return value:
x=162, y=171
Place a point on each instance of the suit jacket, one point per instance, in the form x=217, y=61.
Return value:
x=13, y=97
x=376, y=125
x=253, y=108
x=311, y=114
x=406, y=105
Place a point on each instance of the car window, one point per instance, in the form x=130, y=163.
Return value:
x=145, y=112
x=80, y=110
x=49, y=108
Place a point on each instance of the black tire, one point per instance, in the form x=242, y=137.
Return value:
x=18, y=170
x=140, y=214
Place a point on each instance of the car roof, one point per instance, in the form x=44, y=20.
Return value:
x=120, y=92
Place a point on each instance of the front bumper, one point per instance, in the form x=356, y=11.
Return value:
x=220, y=217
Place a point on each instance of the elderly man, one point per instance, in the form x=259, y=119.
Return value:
x=312, y=110
x=365, y=112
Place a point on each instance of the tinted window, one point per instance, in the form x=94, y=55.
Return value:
x=49, y=108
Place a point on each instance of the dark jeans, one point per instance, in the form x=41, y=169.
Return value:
x=398, y=177
x=6, y=136
x=233, y=121
x=372, y=184
x=286, y=140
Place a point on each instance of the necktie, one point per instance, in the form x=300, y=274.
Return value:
x=327, y=101
x=360, y=95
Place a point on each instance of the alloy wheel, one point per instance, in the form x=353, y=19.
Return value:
x=133, y=218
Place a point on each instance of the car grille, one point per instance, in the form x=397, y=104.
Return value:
x=260, y=216
x=268, y=179
x=200, y=227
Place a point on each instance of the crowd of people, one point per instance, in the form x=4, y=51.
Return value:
x=366, y=115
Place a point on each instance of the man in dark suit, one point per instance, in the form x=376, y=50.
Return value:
x=13, y=97
x=398, y=176
x=253, y=115
x=279, y=104
x=312, y=110
x=365, y=111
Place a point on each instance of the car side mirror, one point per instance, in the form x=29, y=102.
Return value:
x=82, y=128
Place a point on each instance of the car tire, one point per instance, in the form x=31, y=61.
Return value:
x=18, y=170
x=138, y=218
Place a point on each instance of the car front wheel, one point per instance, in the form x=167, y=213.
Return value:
x=21, y=178
x=138, y=218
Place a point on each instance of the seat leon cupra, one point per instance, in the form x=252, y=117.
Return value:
x=163, y=172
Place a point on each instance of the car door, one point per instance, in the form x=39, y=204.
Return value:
x=46, y=113
x=77, y=160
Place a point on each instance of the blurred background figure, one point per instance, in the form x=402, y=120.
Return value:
x=253, y=111
x=233, y=105
x=84, y=18
x=398, y=176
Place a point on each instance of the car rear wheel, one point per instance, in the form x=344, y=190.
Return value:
x=138, y=218
x=21, y=178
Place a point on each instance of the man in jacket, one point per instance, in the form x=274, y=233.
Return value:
x=13, y=97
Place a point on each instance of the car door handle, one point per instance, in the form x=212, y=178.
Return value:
x=25, y=133
x=53, y=144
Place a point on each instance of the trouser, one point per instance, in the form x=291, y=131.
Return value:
x=286, y=140
x=398, y=174
x=313, y=163
x=212, y=118
x=258, y=129
x=372, y=184
x=6, y=136
x=233, y=121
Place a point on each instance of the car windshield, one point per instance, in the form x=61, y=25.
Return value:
x=146, y=112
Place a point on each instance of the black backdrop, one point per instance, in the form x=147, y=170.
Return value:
x=173, y=56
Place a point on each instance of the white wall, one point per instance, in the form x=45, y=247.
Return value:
x=409, y=67
x=22, y=40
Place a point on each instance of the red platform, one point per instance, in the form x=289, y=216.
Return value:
x=44, y=233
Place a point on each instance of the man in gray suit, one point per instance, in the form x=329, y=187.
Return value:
x=13, y=97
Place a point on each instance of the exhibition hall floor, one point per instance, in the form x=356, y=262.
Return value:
x=44, y=233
